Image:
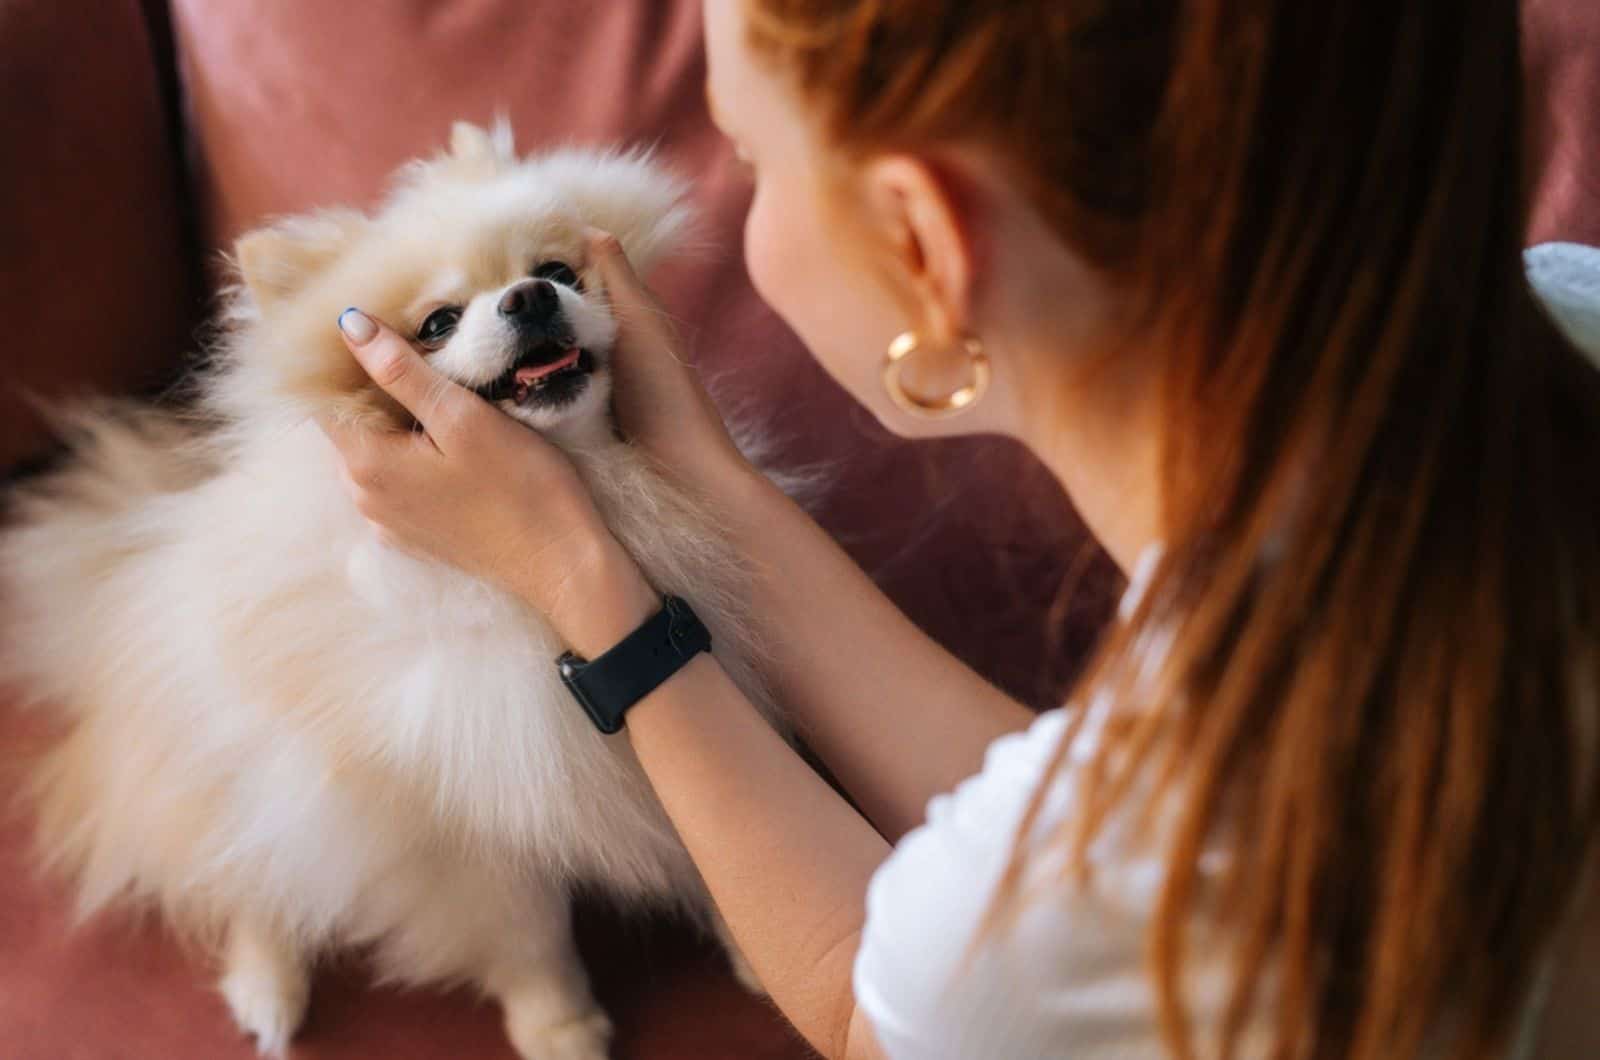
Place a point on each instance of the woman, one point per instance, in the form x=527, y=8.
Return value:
x=1245, y=275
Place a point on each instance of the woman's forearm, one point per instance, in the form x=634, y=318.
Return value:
x=785, y=857
x=896, y=717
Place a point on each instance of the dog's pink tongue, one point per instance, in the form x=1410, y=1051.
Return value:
x=529, y=376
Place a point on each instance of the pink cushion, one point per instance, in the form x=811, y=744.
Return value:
x=1561, y=50
x=96, y=280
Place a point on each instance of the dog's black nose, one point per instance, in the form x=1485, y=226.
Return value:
x=530, y=302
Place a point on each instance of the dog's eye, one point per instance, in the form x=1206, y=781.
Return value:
x=558, y=272
x=439, y=325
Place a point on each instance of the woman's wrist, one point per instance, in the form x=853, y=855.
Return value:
x=603, y=595
x=707, y=467
x=604, y=598
x=745, y=499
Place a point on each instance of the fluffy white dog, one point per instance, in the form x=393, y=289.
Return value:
x=287, y=736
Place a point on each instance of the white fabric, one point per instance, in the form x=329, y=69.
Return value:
x=1068, y=978
x=1567, y=277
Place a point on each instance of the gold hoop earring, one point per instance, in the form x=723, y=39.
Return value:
x=953, y=404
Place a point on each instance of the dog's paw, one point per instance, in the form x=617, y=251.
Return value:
x=268, y=1007
x=586, y=1038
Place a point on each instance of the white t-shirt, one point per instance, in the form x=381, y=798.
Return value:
x=1069, y=975
x=1071, y=969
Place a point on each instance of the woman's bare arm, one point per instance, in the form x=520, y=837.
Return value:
x=787, y=860
x=896, y=717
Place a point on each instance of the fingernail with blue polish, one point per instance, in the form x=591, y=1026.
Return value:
x=357, y=326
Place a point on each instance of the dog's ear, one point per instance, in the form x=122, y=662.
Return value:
x=491, y=146
x=630, y=195
x=276, y=262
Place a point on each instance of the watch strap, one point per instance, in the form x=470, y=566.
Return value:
x=607, y=685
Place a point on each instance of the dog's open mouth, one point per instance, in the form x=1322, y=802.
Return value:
x=549, y=372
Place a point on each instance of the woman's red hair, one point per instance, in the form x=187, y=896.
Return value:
x=1381, y=579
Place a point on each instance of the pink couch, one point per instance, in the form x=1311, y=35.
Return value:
x=143, y=135
x=1561, y=52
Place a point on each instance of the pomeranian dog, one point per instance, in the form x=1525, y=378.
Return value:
x=291, y=739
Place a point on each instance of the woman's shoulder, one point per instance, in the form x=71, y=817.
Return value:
x=1013, y=767
x=936, y=979
x=925, y=903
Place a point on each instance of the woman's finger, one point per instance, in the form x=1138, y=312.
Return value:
x=346, y=437
x=606, y=255
x=366, y=453
x=630, y=299
x=657, y=396
x=438, y=404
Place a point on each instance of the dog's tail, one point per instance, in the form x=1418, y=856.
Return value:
x=118, y=452
x=86, y=594
x=65, y=533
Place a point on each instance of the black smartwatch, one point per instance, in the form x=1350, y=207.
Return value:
x=608, y=685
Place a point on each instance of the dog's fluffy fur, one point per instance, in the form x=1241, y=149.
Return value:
x=290, y=738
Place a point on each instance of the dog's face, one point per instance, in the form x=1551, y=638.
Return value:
x=478, y=258
x=533, y=344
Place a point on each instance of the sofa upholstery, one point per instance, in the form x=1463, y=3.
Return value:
x=98, y=274
x=152, y=132
x=1561, y=53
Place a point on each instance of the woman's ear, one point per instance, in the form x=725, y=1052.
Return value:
x=925, y=217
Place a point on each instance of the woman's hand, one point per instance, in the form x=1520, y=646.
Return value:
x=659, y=402
x=478, y=490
